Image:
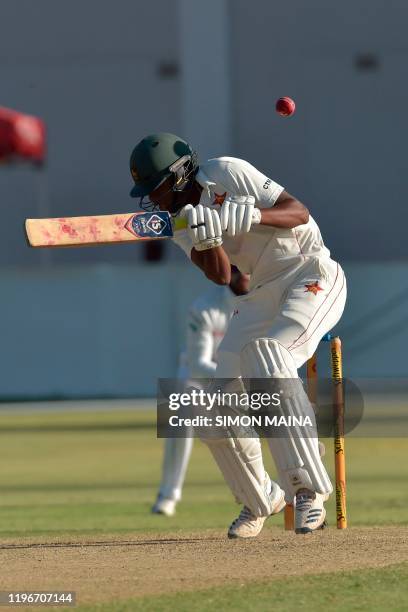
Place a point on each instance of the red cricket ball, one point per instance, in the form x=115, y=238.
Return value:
x=285, y=106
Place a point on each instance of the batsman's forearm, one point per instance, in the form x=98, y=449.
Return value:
x=214, y=263
x=287, y=214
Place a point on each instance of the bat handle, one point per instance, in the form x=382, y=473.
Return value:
x=180, y=222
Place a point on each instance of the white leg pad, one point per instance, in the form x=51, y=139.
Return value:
x=297, y=458
x=267, y=358
x=241, y=464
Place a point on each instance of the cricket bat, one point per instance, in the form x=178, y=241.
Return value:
x=101, y=229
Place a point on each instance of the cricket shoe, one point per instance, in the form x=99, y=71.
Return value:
x=310, y=512
x=165, y=506
x=247, y=525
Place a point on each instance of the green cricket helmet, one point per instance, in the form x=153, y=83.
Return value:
x=157, y=157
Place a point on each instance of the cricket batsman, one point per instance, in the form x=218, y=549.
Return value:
x=238, y=215
x=207, y=322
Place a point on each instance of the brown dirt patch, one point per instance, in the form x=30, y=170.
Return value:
x=115, y=568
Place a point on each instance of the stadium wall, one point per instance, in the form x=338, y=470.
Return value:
x=109, y=331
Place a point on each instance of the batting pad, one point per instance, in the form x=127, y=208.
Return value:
x=267, y=358
x=296, y=456
x=295, y=449
x=240, y=462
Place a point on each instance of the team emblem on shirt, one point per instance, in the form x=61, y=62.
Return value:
x=219, y=198
x=313, y=288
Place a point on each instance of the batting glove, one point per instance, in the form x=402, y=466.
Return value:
x=238, y=213
x=203, y=226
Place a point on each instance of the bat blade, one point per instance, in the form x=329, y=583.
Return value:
x=101, y=229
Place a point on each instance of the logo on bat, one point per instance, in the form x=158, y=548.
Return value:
x=149, y=225
x=156, y=224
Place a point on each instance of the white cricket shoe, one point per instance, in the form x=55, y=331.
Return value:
x=310, y=512
x=165, y=506
x=247, y=525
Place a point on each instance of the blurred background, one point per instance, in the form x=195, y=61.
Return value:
x=107, y=321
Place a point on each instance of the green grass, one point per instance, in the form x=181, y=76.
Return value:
x=370, y=590
x=95, y=472
x=98, y=472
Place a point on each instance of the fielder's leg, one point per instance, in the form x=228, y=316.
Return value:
x=177, y=453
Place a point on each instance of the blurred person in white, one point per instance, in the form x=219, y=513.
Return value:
x=207, y=322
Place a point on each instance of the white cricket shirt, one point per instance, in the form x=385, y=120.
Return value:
x=267, y=253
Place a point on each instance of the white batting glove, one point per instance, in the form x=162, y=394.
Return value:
x=238, y=213
x=203, y=226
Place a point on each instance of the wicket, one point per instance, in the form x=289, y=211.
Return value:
x=338, y=422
